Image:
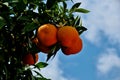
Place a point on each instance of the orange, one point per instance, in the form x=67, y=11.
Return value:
x=67, y=35
x=74, y=48
x=46, y=34
x=69, y=39
x=41, y=47
x=29, y=59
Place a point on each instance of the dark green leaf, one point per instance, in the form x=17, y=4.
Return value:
x=77, y=21
x=23, y=18
x=53, y=51
x=19, y=6
x=81, y=10
x=81, y=29
x=49, y=56
x=64, y=5
x=25, y=1
x=30, y=27
x=75, y=6
x=50, y=3
x=43, y=79
x=41, y=64
x=2, y=22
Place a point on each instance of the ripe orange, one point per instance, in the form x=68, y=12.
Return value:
x=74, y=48
x=69, y=40
x=46, y=34
x=67, y=35
x=29, y=59
x=41, y=47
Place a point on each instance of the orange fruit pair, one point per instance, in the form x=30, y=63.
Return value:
x=67, y=36
x=29, y=59
x=69, y=39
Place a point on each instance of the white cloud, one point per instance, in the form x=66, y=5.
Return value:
x=103, y=19
x=108, y=61
x=53, y=70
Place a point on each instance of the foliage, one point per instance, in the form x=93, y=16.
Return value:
x=19, y=21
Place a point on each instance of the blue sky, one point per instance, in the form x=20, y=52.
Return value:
x=100, y=56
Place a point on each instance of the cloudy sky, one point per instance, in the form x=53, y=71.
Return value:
x=100, y=56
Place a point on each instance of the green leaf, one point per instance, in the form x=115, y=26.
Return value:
x=2, y=22
x=53, y=51
x=64, y=5
x=43, y=79
x=41, y=64
x=81, y=10
x=50, y=3
x=25, y=1
x=30, y=27
x=77, y=21
x=80, y=23
x=75, y=6
x=19, y=6
x=81, y=29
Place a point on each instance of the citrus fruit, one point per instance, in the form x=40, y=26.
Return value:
x=41, y=47
x=67, y=35
x=46, y=34
x=29, y=59
x=74, y=48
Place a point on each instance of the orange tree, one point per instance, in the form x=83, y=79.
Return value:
x=19, y=23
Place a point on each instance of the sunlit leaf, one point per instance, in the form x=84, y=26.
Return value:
x=41, y=64
x=82, y=10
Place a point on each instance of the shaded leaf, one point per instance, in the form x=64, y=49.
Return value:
x=53, y=51
x=50, y=3
x=30, y=27
x=64, y=6
x=81, y=29
x=43, y=79
x=77, y=21
x=2, y=22
x=75, y=6
x=25, y=1
x=49, y=56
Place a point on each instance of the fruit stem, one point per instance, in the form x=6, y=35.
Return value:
x=61, y=24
